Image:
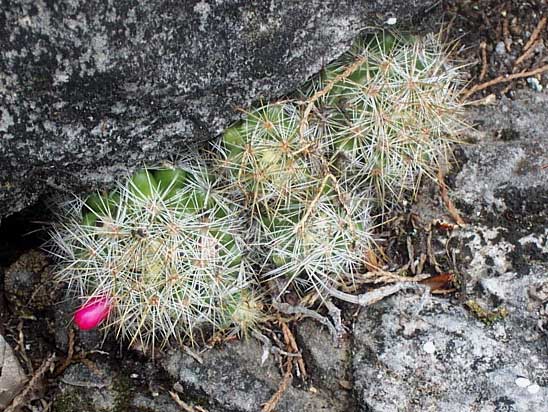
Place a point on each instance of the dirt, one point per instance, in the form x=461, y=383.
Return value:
x=492, y=35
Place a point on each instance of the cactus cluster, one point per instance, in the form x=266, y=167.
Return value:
x=317, y=244
x=267, y=158
x=313, y=233
x=389, y=112
x=163, y=249
x=167, y=253
x=393, y=116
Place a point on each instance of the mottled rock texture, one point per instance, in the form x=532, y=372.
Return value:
x=460, y=354
x=12, y=376
x=236, y=378
x=129, y=387
x=91, y=89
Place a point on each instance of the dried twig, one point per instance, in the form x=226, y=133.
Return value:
x=484, y=66
x=531, y=44
x=70, y=354
x=503, y=79
x=182, y=404
x=284, y=384
x=448, y=203
x=20, y=399
x=534, y=36
x=193, y=354
x=335, y=314
x=290, y=341
x=506, y=34
x=21, y=347
x=269, y=347
x=376, y=295
x=288, y=309
x=524, y=56
x=320, y=93
x=385, y=277
x=430, y=252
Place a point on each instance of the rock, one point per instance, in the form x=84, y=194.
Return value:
x=500, y=48
x=488, y=354
x=328, y=362
x=92, y=89
x=29, y=285
x=445, y=360
x=233, y=379
x=503, y=189
x=12, y=376
x=108, y=388
x=511, y=154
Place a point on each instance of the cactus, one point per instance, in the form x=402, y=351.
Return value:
x=317, y=244
x=390, y=113
x=163, y=248
x=162, y=255
x=243, y=312
x=267, y=158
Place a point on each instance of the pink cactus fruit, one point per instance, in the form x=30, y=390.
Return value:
x=92, y=313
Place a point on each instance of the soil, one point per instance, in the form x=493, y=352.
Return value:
x=492, y=36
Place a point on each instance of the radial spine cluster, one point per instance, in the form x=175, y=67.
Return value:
x=389, y=111
x=164, y=247
x=289, y=194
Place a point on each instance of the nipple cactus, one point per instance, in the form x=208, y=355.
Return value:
x=163, y=250
x=390, y=113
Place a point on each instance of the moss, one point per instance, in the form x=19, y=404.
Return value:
x=79, y=400
x=485, y=315
x=70, y=402
x=124, y=395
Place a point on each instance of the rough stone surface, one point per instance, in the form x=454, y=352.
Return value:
x=509, y=156
x=328, y=362
x=107, y=388
x=473, y=367
x=435, y=355
x=28, y=284
x=12, y=376
x=90, y=89
x=233, y=379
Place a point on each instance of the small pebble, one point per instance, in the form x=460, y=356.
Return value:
x=133, y=376
x=429, y=347
x=391, y=21
x=500, y=48
x=523, y=382
x=534, y=84
x=533, y=389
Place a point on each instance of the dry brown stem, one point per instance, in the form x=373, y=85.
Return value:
x=503, y=79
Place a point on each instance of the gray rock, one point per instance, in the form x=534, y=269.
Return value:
x=473, y=367
x=511, y=154
x=107, y=388
x=92, y=89
x=12, y=376
x=409, y=355
x=328, y=362
x=233, y=379
x=500, y=48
